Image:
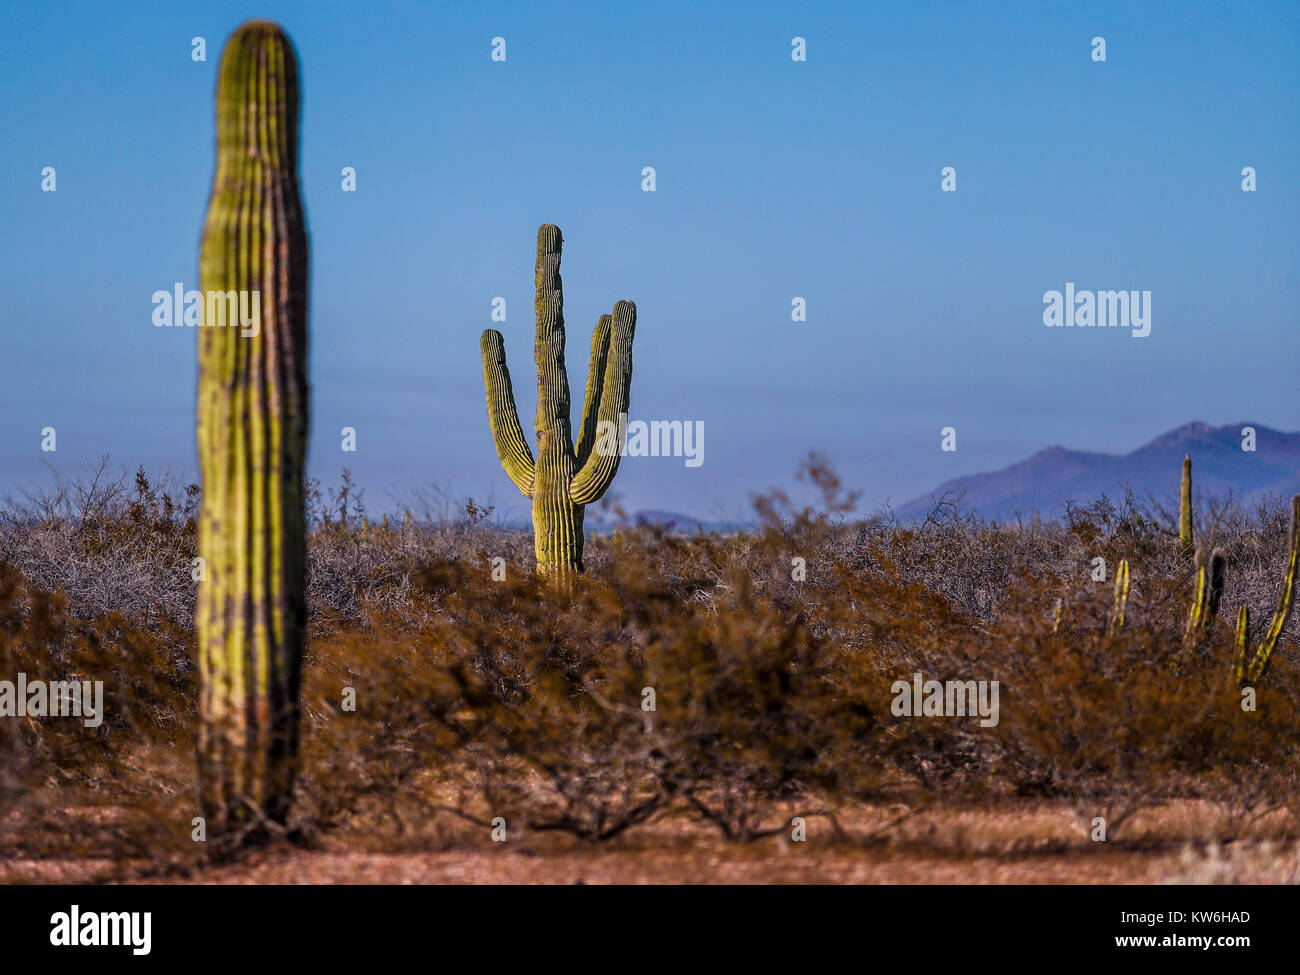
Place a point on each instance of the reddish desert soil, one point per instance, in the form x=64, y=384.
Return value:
x=597, y=866
x=1179, y=842
x=637, y=867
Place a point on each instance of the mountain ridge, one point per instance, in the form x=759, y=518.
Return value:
x=1047, y=479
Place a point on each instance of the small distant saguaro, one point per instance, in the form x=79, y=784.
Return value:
x=1186, y=531
x=252, y=439
x=564, y=478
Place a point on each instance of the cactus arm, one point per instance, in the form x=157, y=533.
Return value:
x=1199, y=600
x=1121, y=596
x=512, y=448
x=1286, y=599
x=1186, y=534
x=1243, y=632
x=595, y=476
x=1205, y=600
x=595, y=384
x=1218, y=564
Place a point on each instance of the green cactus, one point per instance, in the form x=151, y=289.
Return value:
x=564, y=478
x=1239, y=646
x=252, y=438
x=1186, y=533
x=1259, y=664
x=1218, y=578
x=1205, y=601
x=1121, y=596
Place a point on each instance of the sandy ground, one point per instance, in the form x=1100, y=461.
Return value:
x=729, y=867
x=597, y=866
x=1036, y=844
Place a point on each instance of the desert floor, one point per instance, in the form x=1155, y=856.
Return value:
x=1035, y=843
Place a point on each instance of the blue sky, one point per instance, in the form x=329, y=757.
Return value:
x=775, y=179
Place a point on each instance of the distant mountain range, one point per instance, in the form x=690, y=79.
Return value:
x=1043, y=483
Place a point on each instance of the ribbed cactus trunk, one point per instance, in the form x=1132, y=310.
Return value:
x=1186, y=533
x=557, y=521
x=565, y=478
x=252, y=438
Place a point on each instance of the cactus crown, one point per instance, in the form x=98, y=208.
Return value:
x=257, y=97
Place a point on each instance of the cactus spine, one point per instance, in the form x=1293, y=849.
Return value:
x=1259, y=664
x=564, y=478
x=1186, y=534
x=252, y=437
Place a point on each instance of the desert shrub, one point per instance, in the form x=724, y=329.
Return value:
x=529, y=705
x=1113, y=721
x=123, y=789
x=772, y=688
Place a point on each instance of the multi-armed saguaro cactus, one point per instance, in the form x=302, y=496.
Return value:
x=1205, y=600
x=564, y=478
x=1209, y=579
x=252, y=437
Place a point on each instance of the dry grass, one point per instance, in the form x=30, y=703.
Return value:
x=479, y=699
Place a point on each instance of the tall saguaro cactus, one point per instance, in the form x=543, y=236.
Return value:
x=564, y=478
x=252, y=438
x=1186, y=533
